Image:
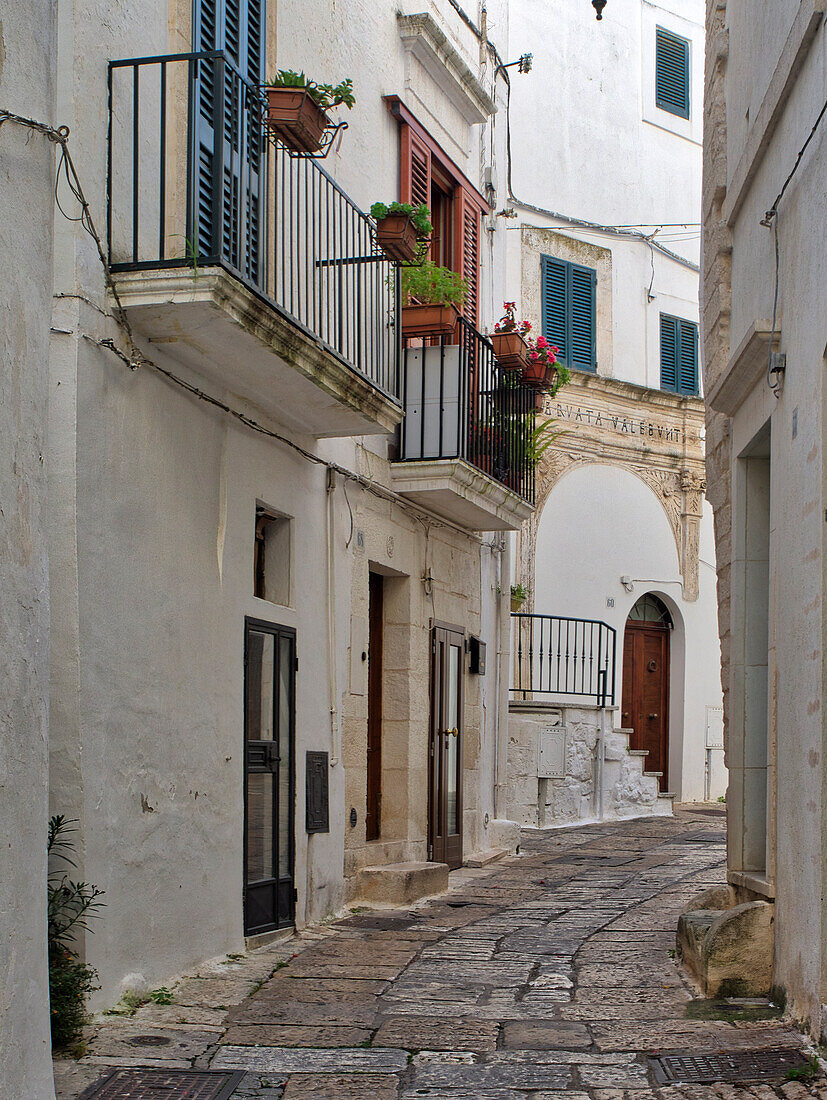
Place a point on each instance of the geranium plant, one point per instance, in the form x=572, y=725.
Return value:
x=509, y=323
x=543, y=370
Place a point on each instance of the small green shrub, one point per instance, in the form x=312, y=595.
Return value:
x=431, y=285
x=161, y=996
x=419, y=215
x=519, y=592
x=70, y=905
x=325, y=95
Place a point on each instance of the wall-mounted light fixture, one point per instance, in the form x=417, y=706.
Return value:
x=599, y=5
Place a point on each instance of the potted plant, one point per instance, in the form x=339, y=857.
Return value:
x=542, y=371
x=432, y=297
x=519, y=595
x=508, y=338
x=402, y=230
x=526, y=444
x=297, y=108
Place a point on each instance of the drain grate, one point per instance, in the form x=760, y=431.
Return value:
x=164, y=1084
x=732, y=1066
x=149, y=1040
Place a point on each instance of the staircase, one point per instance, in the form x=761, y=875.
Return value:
x=629, y=790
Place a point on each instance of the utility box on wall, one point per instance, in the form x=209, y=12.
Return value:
x=551, y=753
x=476, y=655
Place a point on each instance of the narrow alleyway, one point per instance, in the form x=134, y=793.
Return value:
x=551, y=972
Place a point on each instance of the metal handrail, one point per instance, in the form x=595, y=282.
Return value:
x=460, y=403
x=195, y=180
x=555, y=655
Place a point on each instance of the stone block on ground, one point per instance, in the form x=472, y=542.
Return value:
x=729, y=952
x=401, y=883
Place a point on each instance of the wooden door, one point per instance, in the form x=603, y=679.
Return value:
x=269, y=732
x=646, y=693
x=445, y=749
x=374, y=747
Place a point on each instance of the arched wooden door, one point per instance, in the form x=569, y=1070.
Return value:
x=645, y=703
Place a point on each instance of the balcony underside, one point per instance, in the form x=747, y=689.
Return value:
x=217, y=327
x=456, y=490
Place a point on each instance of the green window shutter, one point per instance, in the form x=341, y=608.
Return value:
x=581, y=317
x=688, y=359
x=672, y=73
x=554, y=311
x=668, y=353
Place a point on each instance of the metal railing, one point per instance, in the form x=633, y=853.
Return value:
x=562, y=657
x=194, y=180
x=459, y=403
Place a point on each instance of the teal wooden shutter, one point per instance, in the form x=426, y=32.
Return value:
x=228, y=226
x=554, y=312
x=672, y=73
x=678, y=355
x=568, y=311
x=688, y=359
x=583, y=281
x=668, y=353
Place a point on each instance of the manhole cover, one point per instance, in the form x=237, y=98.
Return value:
x=735, y=1066
x=149, y=1040
x=164, y=1084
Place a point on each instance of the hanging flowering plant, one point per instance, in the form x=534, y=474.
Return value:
x=543, y=371
x=509, y=323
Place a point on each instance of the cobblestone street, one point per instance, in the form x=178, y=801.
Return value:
x=550, y=972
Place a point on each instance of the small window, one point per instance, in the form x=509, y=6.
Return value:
x=649, y=609
x=672, y=73
x=568, y=306
x=678, y=355
x=271, y=560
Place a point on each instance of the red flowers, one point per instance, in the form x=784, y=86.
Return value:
x=509, y=323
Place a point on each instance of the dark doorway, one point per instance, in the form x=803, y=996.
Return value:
x=374, y=762
x=269, y=733
x=646, y=683
x=445, y=750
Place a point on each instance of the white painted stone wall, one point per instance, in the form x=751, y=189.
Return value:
x=602, y=781
x=27, y=50
x=767, y=67
x=152, y=553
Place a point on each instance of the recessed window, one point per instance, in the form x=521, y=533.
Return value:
x=678, y=355
x=672, y=73
x=568, y=308
x=271, y=559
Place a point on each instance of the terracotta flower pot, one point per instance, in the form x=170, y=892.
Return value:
x=396, y=236
x=295, y=116
x=510, y=350
x=429, y=320
x=517, y=603
x=539, y=374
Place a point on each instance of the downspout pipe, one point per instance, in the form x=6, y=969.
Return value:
x=331, y=621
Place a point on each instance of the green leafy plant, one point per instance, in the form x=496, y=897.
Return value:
x=325, y=96
x=806, y=1072
x=419, y=215
x=519, y=592
x=429, y=284
x=70, y=906
x=533, y=440
x=161, y=996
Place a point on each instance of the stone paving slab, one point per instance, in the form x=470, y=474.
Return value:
x=285, y=1060
x=343, y=1086
x=424, y=1033
x=545, y=1035
x=292, y=1035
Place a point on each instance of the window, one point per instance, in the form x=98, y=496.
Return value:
x=678, y=355
x=568, y=308
x=672, y=73
x=271, y=560
x=428, y=175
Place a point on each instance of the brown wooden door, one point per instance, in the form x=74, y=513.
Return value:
x=445, y=748
x=646, y=693
x=374, y=761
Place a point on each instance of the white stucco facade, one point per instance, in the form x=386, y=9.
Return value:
x=765, y=89
x=27, y=161
x=622, y=491
x=156, y=492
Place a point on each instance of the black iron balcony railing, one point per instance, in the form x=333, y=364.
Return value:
x=459, y=403
x=194, y=180
x=564, y=658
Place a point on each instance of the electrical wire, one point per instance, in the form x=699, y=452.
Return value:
x=775, y=386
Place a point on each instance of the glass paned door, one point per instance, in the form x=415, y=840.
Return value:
x=269, y=724
x=445, y=750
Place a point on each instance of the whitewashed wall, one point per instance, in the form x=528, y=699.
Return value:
x=27, y=47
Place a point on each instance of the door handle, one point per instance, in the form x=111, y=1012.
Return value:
x=453, y=732
x=653, y=716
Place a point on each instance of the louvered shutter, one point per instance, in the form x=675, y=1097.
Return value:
x=688, y=359
x=668, y=353
x=581, y=318
x=416, y=169
x=470, y=259
x=672, y=73
x=554, y=310
x=230, y=229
